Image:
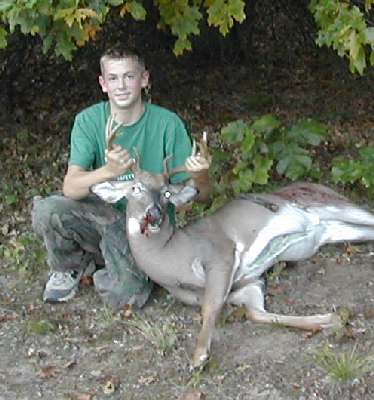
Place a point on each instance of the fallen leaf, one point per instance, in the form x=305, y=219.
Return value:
x=47, y=372
x=111, y=385
x=8, y=317
x=369, y=313
x=83, y=396
x=310, y=334
x=86, y=281
x=127, y=311
x=147, y=380
x=193, y=394
x=71, y=364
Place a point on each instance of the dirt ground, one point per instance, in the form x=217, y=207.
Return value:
x=82, y=351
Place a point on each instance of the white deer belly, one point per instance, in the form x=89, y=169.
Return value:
x=291, y=233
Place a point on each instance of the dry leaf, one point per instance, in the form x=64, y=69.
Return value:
x=147, y=380
x=8, y=317
x=86, y=280
x=310, y=334
x=127, y=311
x=71, y=364
x=47, y=372
x=193, y=394
x=83, y=396
x=111, y=385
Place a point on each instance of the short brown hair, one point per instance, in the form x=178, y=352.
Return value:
x=121, y=52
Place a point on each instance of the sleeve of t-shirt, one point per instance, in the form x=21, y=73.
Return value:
x=178, y=147
x=82, y=145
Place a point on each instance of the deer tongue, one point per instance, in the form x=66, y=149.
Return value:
x=151, y=221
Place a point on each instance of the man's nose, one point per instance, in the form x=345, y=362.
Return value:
x=122, y=83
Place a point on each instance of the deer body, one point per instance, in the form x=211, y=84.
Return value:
x=221, y=257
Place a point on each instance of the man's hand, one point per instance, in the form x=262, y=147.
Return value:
x=198, y=166
x=197, y=163
x=119, y=161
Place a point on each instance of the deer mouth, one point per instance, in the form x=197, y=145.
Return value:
x=152, y=220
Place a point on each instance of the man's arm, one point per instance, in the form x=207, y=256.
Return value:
x=78, y=181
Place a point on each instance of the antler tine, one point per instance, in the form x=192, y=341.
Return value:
x=203, y=150
x=111, y=131
x=203, y=146
x=135, y=167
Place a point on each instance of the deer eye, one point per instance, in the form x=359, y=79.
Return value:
x=136, y=189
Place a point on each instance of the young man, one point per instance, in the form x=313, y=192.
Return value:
x=78, y=229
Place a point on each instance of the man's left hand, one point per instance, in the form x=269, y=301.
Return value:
x=197, y=163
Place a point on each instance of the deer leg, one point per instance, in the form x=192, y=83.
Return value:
x=216, y=289
x=252, y=297
x=191, y=297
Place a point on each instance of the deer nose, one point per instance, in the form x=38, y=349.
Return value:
x=154, y=214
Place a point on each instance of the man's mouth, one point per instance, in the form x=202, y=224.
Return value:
x=122, y=95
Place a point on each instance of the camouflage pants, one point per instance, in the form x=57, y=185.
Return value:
x=77, y=233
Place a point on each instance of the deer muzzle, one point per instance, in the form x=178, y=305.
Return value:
x=152, y=220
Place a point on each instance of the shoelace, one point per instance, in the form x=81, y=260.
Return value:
x=60, y=277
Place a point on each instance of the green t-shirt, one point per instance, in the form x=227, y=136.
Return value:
x=159, y=133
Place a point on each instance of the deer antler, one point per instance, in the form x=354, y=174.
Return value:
x=111, y=131
x=203, y=150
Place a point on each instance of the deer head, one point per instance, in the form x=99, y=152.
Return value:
x=148, y=196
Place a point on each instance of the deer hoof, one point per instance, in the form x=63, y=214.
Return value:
x=199, y=361
x=334, y=321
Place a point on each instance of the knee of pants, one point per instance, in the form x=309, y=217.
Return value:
x=43, y=208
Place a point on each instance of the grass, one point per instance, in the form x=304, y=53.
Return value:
x=24, y=253
x=161, y=334
x=41, y=327
x=345, y=366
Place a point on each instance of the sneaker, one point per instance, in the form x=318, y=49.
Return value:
x=61, y=286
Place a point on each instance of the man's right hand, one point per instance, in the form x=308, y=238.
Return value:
x=78, y=181
x=119, y=161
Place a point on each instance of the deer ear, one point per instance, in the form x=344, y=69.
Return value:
x=181, y=196
x=112, y=191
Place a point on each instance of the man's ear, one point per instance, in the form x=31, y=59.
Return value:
x=112, y=191
x=102, y=84
x=145, y=79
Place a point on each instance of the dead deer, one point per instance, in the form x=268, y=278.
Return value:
x=221, y=258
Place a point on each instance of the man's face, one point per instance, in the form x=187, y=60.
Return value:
x=123, y=80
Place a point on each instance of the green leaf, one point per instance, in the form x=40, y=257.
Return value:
x=308, y=131
x=234, y=132
x=262, y=168
x=354, y=45
x=304, y=160
x=345, y=171
x=369, y=35
x=367, y=155
x=116, y=3
x=47, y=43
x=244, y=182
x=137, y=10
x=181, y=45
x=248, y=142
x=65, y=48
x=266, y=124
x=372, y=58
x=223, y=13
x=282, y=165
x=3, y=38
x=5, y=5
